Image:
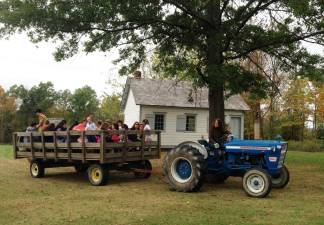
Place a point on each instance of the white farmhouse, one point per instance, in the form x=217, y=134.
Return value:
x=176, y=109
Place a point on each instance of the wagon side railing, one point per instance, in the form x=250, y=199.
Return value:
x=86, y=145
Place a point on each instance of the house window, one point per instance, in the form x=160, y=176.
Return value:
x=190, y=123
x=235, y=126
x=159, y=121
x=186, y=122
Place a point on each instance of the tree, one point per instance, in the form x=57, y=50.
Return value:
x=319, y=109
x=297, y=108
x=83, y=103
x=205, y=40
x=42, y=96
x=110, y=108
x=7, y=114
x=63, y=104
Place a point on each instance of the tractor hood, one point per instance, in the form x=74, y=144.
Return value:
x=253, y=144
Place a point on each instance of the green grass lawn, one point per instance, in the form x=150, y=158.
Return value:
x=6, y=151
x=64, y=197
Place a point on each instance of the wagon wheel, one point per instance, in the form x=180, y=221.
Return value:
x=36, y=169
x=97, y=175
x=143, y=169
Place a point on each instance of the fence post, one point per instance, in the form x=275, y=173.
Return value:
x=32, y=145
x=159, y=143
x=102, y=147
x=55, y=146
x=125, y=150
x=14, y=139
x=43, y=145
x=83, y=147
x=142, y=144
x=68, y=145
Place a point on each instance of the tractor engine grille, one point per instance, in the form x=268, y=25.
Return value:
x=282, y=155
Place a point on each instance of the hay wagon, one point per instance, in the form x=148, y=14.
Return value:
x=79, y=150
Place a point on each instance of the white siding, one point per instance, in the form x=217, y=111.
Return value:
x=237, y=114
x=171, y=137
x=132, y=111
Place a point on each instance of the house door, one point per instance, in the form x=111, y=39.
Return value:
x=235, y=125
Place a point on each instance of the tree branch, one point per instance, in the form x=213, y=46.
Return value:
x=248, y=17
x=279, y=41
x=265, y=73
x=224, y=6
x=202, y=76
x=189, y=11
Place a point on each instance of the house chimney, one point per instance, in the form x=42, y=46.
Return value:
x=137, y=74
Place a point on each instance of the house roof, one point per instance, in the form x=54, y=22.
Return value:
x=170, y=93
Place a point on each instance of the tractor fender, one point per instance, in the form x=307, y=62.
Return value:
x=196, y=145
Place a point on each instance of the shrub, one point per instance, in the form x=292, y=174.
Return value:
x=320, y=132
x=306, y=146
x=292, y=132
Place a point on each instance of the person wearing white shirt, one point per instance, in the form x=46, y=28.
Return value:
x=91, y=126
x=147, y=130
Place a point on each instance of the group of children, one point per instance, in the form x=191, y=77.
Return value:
x=88, y=124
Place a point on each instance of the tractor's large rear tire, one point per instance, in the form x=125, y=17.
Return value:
x=282, y=179
x=257, y=183
x=184, y=169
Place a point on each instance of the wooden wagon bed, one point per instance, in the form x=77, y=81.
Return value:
x=72, y=146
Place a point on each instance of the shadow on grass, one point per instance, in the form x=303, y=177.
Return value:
x=115, y=177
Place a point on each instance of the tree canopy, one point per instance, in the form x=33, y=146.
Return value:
x=42, y=96
x=204, y=40
x=18, y=106
x=83, y=103
x=7, y=115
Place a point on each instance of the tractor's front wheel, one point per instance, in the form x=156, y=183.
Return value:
x=36, y=169
x=257, y=183
x=282, y=179
x=97, y=175
x=184, y=169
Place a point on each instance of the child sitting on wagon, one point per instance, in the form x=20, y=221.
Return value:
x=80, y=127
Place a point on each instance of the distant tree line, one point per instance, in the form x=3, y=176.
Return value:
x=18, y=105
x=295, y=113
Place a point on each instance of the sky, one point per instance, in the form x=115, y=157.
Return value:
x=22, y=62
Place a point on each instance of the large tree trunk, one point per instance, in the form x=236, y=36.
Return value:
x=216, y=102
x=257, y=121
x=215, y=61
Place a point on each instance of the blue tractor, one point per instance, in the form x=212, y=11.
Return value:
x=259, y=163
